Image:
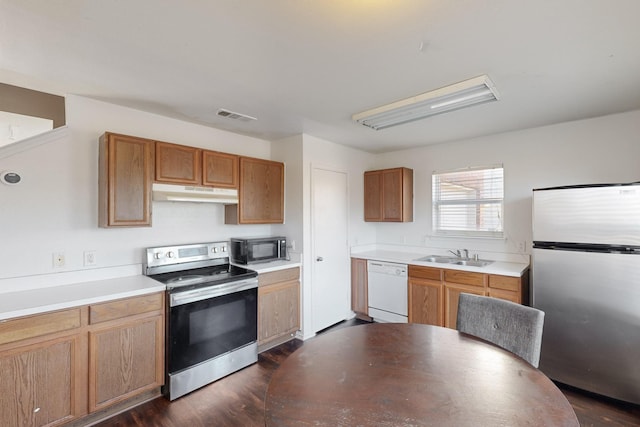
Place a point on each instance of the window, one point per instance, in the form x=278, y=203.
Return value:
x=469, y=202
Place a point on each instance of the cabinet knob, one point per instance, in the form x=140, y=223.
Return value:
x=319, y=259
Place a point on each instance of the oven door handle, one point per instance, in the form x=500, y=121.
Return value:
x=186, y=297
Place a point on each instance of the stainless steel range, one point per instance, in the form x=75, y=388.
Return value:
x=212, y=310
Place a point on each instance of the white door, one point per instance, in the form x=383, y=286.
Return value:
x=331, y=276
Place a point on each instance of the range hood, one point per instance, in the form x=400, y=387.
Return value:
x=189, y=193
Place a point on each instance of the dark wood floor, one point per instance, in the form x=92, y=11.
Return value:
x=238, y=400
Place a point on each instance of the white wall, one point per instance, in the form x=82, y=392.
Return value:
x=289, y=151
x=599, y=150
x=55, y=208
x=321, y=153
x=301, y=153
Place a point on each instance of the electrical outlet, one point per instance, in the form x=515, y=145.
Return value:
x=89, y=258
x=522, y=247
x=58, y=260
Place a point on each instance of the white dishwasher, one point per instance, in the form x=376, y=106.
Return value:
x=387, y=288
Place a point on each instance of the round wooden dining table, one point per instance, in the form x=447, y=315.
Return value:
x=393, y=374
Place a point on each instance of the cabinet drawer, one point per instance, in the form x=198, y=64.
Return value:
x=272, y=277
x=125, y=307
x=38, y=325
x=506, y=295
x=504, y=282
x=465, y=277
x=425, y=273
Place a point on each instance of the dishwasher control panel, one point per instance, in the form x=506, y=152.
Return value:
x=387, y=268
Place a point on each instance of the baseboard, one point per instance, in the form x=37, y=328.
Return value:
x=104, y=414
x=276, y=342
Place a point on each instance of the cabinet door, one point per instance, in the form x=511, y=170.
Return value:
x=125, y=360
x=261, y=193
x=452, y=293
x=219, y=169
x=392, y=195
x=373, y=196
x=388, y=195
x=38, y=383
x=177, y=164
x=426, y=302
x=125, y=177
x=359, y=301
x=278, y=310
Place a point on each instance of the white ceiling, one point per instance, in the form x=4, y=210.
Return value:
x=305, y=66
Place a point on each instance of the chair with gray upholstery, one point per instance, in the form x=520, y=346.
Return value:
x=514, y=327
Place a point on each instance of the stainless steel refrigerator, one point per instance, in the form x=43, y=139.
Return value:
x=586, y=278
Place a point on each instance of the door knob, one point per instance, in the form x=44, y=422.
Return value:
x=319, y=259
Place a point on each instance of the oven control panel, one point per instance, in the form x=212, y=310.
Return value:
x=167, y=255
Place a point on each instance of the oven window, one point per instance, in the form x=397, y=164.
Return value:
x=265, y=250
x=227, y=318
x=206, y=329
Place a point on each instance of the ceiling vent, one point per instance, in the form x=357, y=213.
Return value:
x=464, y=94
x=235, y=116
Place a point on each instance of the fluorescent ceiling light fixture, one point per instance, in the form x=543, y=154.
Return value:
x=470, y=92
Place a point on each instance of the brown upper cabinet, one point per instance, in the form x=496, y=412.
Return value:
x=129, y=165
x=180, y=164
x=388, y=195
x=260, y=194
x=124, y=184
x=177, y=164
x=219, y=169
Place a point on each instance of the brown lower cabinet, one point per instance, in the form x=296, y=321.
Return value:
x=126, y=349
x=278, y=306
x=434, y=292
x=426, y=295
x=43, y=367
x=57, y=367
x=359, y=287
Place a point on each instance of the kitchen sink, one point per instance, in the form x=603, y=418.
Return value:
x=472, y=262
x=454, y=260
x=437, y=258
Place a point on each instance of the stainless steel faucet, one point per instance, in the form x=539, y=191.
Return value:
x=459, y=254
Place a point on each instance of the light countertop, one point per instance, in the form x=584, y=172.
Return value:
x=514, y=269
x=18, y=303
x=266, y=267
x=34, y=301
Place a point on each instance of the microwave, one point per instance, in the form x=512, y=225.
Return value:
x=251, y=250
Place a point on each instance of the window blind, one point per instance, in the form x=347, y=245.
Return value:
x=469, y=202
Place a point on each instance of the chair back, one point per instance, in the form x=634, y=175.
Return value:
x=514, y=327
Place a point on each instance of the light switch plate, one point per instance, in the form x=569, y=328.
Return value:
x=89, y=258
